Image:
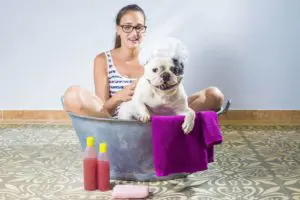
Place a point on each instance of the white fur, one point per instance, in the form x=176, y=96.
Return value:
x=148, y=99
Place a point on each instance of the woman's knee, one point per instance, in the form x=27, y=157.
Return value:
x=215, y=95
x=83, y=102
x=71, y=99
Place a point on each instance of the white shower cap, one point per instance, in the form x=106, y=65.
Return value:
x=167, y=47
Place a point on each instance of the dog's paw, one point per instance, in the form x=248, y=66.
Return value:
x=187, y=126
x=189, y=121
x=144, y=117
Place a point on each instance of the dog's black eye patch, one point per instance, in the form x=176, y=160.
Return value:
x=154, y=70
x=176, y=70
x=177, y=63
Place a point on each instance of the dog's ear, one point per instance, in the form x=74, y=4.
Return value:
x=175, y=60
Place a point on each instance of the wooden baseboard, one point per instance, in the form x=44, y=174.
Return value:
x=265, y=115
x=231, y=117
x=32, y=115
x=261, y=117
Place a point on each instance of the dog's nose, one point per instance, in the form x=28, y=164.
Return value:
x=166, y=76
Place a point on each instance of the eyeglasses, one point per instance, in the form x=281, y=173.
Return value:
x=129, y=28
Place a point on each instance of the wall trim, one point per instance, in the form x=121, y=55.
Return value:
x=232, y=116
x=32, y=115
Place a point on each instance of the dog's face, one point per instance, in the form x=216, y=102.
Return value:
x=164, y=73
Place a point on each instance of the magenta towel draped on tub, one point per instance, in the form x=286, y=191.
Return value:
x=174, y=152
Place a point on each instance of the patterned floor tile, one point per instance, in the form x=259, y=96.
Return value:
x=253, y=162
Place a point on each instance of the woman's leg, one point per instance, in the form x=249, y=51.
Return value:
x=83, y=102
x=208, y=99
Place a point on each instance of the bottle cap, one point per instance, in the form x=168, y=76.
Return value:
x=102, y=148
x=90, y=141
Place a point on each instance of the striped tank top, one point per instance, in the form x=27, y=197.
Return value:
x=116, y=81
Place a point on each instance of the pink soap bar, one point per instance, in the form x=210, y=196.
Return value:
x=130, y=191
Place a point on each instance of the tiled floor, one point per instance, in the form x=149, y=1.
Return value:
x=254, y=162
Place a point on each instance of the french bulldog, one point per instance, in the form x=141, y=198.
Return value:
x=160, y=90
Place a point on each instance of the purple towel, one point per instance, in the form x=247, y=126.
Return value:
x=175, y=152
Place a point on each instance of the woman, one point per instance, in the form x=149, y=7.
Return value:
x=117, y=71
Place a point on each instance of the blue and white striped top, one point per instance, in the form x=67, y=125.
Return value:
x=116, y=81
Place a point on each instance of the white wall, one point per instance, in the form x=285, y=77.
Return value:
x=249, y=49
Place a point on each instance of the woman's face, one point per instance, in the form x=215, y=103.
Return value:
x=131, y=29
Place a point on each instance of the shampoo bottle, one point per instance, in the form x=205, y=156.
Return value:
x=103, y=168
x=90, y=165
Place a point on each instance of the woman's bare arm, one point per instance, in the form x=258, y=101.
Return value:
x=102, y=85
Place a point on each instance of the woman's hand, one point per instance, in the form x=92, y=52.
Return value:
x=127, y=93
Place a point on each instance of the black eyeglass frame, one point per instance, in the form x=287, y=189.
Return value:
x=133, y=27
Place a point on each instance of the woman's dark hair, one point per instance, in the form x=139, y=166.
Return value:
x=121, y=13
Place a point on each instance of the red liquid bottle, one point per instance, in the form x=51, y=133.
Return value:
x=103, y=169
x=90, y=165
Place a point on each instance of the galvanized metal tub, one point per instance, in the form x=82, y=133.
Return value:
x=129, y=144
